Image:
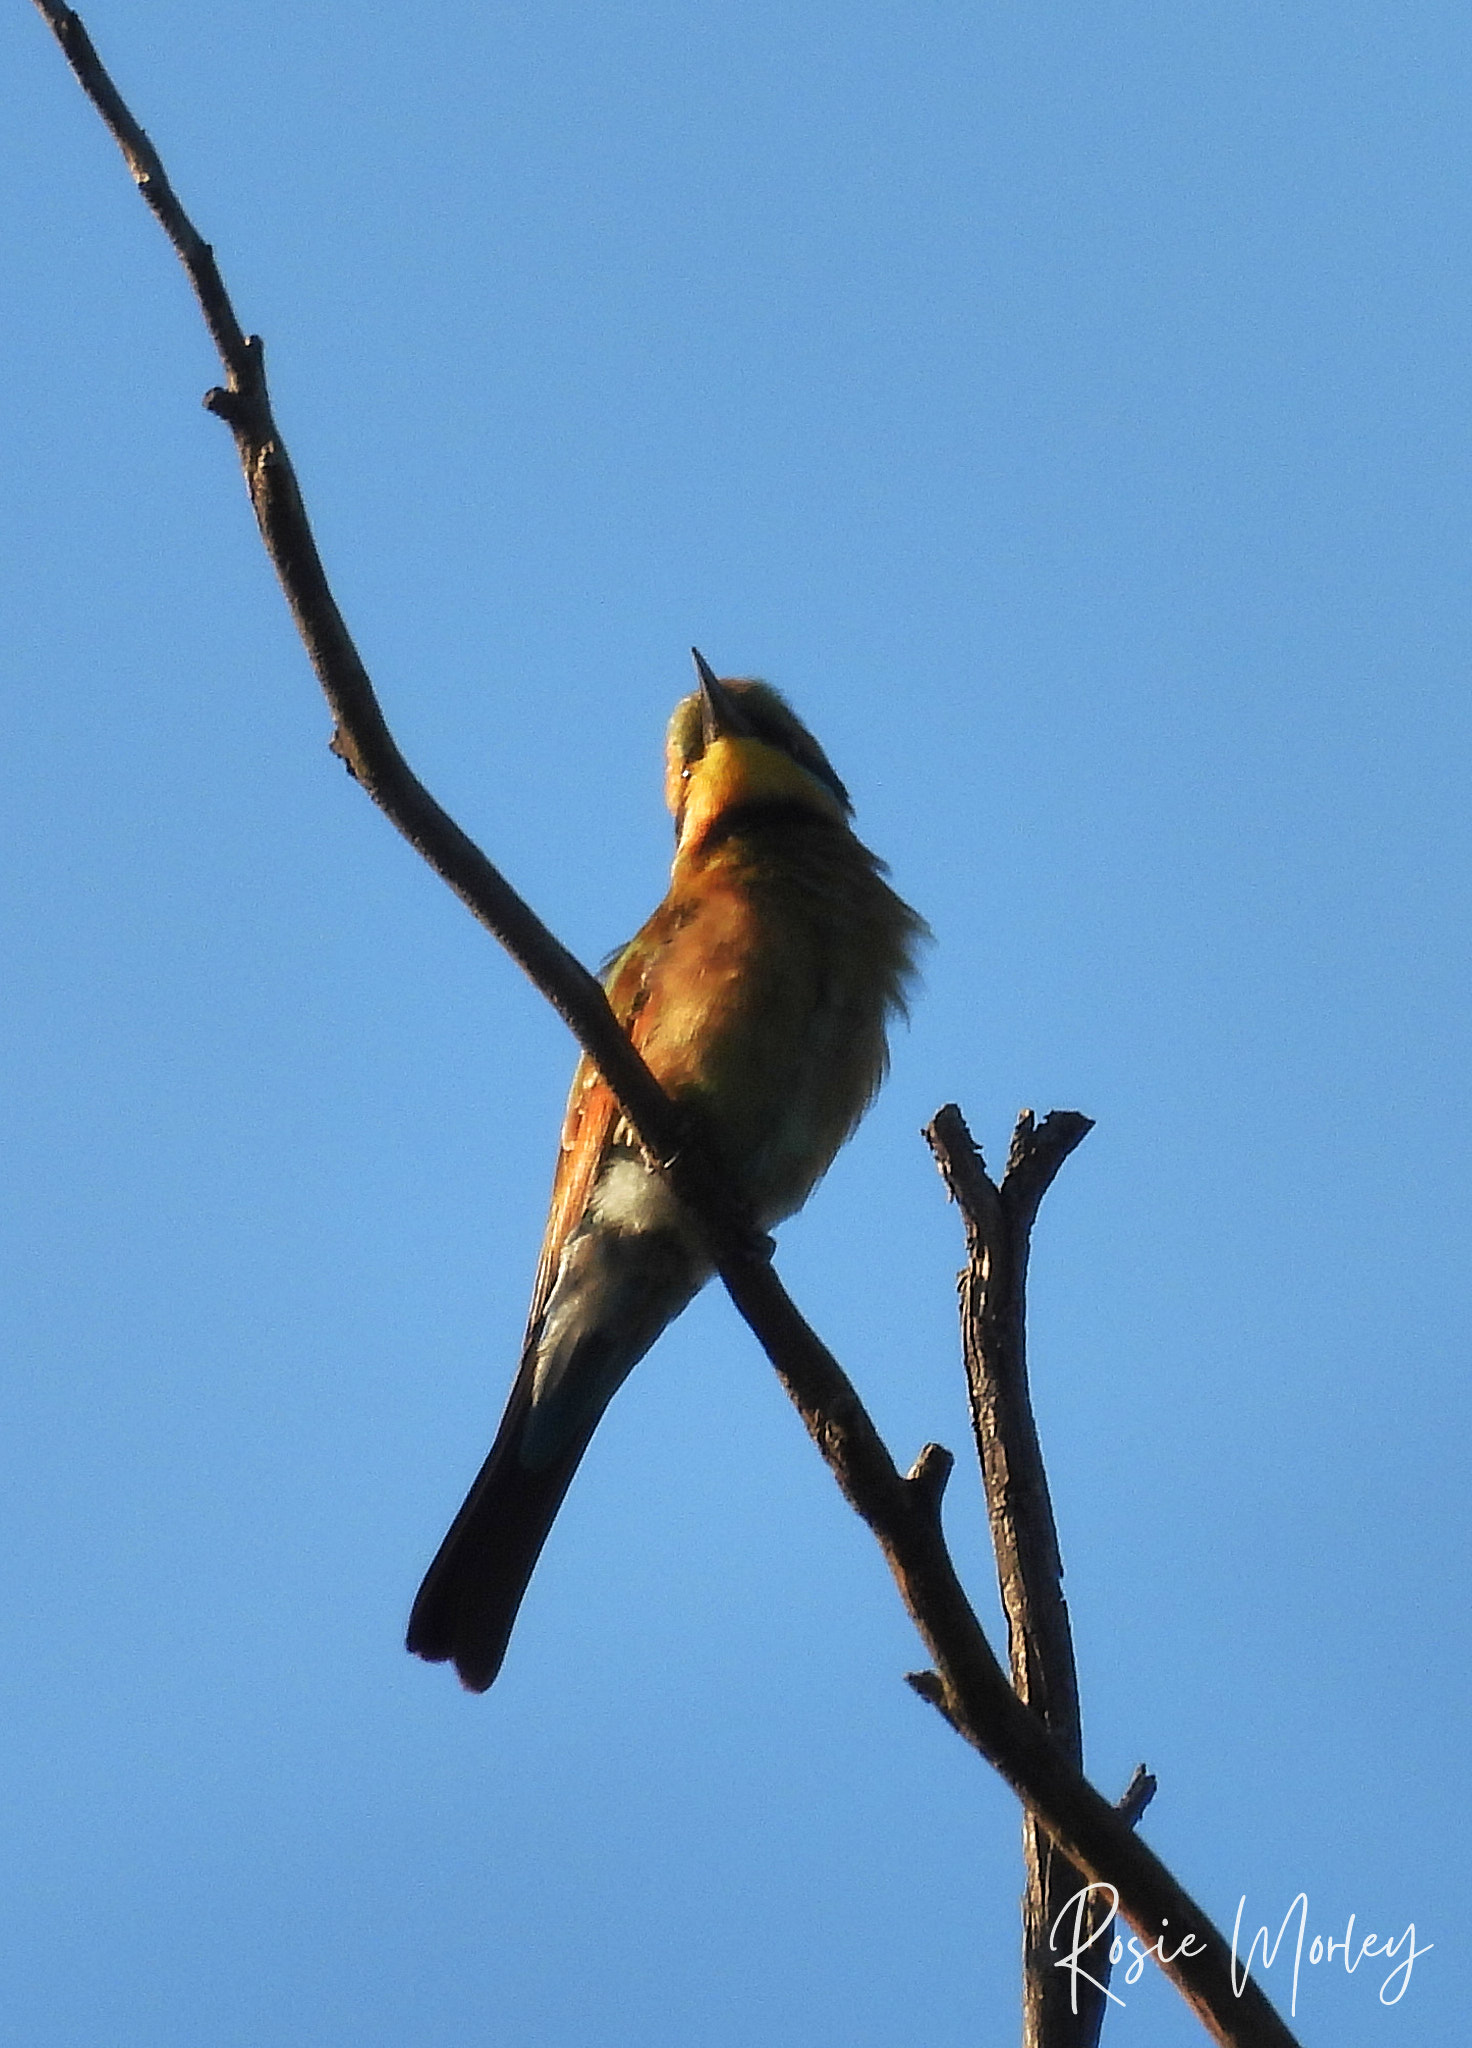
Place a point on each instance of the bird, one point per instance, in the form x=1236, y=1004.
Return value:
x=758, y=994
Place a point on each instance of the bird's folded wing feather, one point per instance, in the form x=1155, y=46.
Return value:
x=587, y=1128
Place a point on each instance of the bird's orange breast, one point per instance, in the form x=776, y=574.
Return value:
x=758, y=994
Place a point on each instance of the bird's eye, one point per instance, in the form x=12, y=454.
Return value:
x=684, y=775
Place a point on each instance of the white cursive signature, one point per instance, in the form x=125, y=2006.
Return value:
x=1190, y=1944
x=1321, y=1951
x=1140, y=1953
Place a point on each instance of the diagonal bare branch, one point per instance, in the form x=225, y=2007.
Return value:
x=904, y=1514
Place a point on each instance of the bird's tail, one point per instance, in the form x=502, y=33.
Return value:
x=615, y=1292
x=465, y=1609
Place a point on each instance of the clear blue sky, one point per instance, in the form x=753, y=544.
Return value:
x=1069, y=408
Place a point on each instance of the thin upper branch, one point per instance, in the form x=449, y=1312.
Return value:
x=152, y=181
x=904, y=1514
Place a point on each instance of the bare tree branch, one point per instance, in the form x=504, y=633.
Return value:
x=1137, y=1795
x=904, y=1514
x=993, y=1288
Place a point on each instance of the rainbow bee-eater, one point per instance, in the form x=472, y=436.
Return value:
x=758, y=993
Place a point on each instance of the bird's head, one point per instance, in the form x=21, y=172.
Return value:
x=737, y=743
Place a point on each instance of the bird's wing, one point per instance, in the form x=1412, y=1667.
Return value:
x=590, y=1123
x=469, y=1599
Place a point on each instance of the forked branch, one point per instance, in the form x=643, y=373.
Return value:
x=1057, y=2011
x=904, y=1513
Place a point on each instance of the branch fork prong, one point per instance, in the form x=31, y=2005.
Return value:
x=931, y=1687
x=1137, y=1795
x=927, y=1477
x=229, y=406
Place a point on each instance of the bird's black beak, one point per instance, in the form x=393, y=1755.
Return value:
x=721, y=716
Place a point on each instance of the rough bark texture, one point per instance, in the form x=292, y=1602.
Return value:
x=1057, y=2010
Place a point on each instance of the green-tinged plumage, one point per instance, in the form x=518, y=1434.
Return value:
x=758, y=993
